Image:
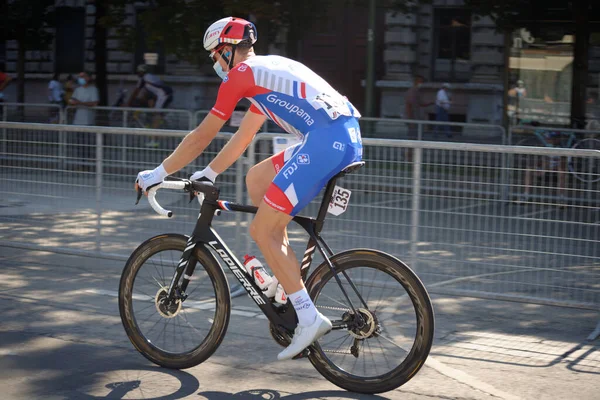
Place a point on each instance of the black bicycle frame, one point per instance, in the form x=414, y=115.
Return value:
x=204, y=234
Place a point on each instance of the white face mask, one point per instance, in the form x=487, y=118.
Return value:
x=219, y=70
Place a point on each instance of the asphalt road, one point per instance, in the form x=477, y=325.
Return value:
x=61, y=338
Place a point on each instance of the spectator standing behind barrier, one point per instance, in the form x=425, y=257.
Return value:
x=55, y=96
x=69, y=88
x=413, y=105
x=4, y=81
x=442, y=109
x=84, y=97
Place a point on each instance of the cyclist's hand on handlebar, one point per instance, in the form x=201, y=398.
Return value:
x=146, y=180
x=207, y=174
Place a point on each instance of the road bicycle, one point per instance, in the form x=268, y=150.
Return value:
x=175, y=304
x=585, y=169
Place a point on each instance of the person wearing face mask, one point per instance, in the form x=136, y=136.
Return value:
x=84, y=97
x=301, y=103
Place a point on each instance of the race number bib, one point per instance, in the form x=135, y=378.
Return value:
x=333, y=106
x=339, y=201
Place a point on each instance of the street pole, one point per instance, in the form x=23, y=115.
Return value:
x=370, y=81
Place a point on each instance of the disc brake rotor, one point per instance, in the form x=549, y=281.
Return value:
x=166, y=308
x=370, y=327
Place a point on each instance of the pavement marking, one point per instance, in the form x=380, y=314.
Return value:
x=466, y=278
x=469, y=380
x=242, y=311
x=535, y=212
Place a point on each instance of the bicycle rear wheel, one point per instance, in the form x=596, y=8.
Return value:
x=392, y=345
x=182, y=333
x=586, y=169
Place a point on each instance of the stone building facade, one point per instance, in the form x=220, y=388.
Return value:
x=415, y=44
x=442, y=41
x=73, y=50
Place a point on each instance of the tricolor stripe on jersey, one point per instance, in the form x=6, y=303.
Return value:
x=300, y=89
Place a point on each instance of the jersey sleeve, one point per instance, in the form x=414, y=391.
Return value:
x=141, y=83
x=237, y=84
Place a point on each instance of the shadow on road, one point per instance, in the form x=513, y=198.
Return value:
x=267, y=394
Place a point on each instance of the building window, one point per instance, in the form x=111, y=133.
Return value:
x=70, y=39
x=452, y=53
x=142, y=46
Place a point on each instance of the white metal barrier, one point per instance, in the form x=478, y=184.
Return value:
x=396, y=128
x=132, y=117
x=442, y=209
x=31, y=112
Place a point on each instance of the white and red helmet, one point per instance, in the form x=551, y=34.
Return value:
x=229, y=30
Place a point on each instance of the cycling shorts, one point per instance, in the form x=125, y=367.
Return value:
x=305, y=168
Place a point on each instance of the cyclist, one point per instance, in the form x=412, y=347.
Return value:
x=163, y=95
x=301, y=103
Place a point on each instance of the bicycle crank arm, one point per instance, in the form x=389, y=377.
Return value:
x=339, y=325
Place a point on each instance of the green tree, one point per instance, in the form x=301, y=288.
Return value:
x=178, y=26
x=30, y=23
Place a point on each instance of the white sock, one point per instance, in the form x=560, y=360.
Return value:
x=305, y=309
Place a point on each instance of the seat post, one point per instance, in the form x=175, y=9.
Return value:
x=325, y=204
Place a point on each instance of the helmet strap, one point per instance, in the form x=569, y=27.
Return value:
x=229, y=61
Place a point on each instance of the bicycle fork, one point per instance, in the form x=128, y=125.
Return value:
x=185, y=268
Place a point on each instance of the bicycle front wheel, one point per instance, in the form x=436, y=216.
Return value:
x=186, y=331
x=398, y=322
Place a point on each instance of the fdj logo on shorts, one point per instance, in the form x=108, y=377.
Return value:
x=290, y=170
x=303, y=159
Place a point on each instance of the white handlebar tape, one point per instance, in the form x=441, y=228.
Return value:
x=152, y=200
x=175, y=185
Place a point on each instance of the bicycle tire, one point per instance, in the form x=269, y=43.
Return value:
x=204, y=262
x=402, y=274
x=586, y=169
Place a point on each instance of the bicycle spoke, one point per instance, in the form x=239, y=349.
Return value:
x=394, y=343
x=188, y=328
x=336, y=301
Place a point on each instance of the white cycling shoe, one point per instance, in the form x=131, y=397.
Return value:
x=304, y=336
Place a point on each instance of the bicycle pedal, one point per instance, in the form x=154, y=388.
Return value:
x=305, y=353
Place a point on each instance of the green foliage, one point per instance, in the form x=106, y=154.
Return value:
x=512, y=14
x=178, y=26
x=29, y=22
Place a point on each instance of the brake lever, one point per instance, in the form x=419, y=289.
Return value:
x=140, y=192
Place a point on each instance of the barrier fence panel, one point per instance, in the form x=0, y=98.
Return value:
x=130, y=117
x=83, y=199
x=441, y=207
x=395, y=128
x=31, y=112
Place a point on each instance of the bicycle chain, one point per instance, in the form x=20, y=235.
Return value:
x=337, y=352
x=334, y=308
